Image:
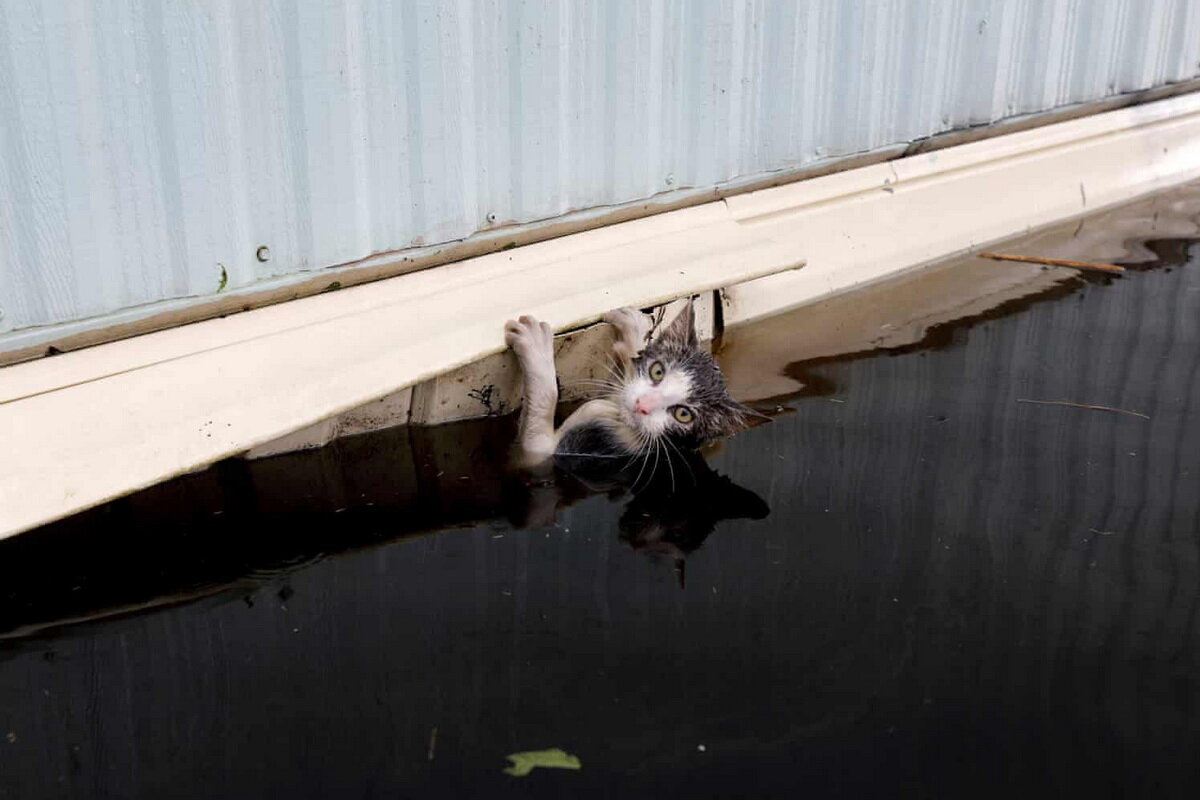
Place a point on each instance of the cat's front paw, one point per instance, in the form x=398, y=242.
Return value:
x=529, y=338
x=632, y=325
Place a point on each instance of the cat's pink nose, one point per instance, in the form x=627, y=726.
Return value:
x=644, y=405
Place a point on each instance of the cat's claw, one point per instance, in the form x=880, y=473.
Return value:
x=629, y=322
x=632, y=330
x=530, y=339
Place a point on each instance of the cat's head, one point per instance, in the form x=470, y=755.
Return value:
x=677, y=392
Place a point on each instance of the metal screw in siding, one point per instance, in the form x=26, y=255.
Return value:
x=263, y=254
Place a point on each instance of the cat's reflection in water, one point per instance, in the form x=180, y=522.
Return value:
x=673, y=505
x=671, y=524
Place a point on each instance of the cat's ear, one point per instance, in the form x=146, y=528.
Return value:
x=682, y=330
x=736, y=417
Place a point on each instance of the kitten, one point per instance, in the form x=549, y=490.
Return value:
x=668, y=394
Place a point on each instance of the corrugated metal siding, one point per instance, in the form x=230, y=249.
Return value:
x=149, y=148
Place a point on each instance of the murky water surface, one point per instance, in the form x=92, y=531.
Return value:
x=957, y=589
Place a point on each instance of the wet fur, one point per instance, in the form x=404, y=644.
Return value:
x=609, y=427
x=716, y=413
x=677, y=499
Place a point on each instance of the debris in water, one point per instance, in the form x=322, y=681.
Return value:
x=432, y=743
x=1054, y=262
x=1083, y=405
x=554, y=758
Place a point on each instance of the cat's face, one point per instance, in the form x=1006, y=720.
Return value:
x=677, y=391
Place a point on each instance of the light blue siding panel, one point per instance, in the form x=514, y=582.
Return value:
x=149, y=147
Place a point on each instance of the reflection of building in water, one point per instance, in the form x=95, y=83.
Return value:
x=904, y=311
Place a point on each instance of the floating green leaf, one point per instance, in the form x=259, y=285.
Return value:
x=523, y=763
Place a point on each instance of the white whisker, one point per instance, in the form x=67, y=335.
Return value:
x=597, y=386
x=638, y=477
x=645, y=461
x=617, y=369
x=682, y=459
x=669, y=467
x=635, y=451
x=654, y=469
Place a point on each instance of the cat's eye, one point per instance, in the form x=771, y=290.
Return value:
x=657, y=371
x=682, y=414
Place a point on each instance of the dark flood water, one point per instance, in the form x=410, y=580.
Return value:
x=955, y=593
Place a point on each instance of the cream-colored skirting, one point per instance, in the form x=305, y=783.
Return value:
x=91, y=425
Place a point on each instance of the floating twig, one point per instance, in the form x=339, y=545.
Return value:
x=432, y=748
x=1083, y=405
x=1054, y=262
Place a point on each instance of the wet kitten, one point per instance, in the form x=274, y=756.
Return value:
x=667, y=394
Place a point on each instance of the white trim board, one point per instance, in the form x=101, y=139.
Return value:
x=859, y=226
x=91, y=425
